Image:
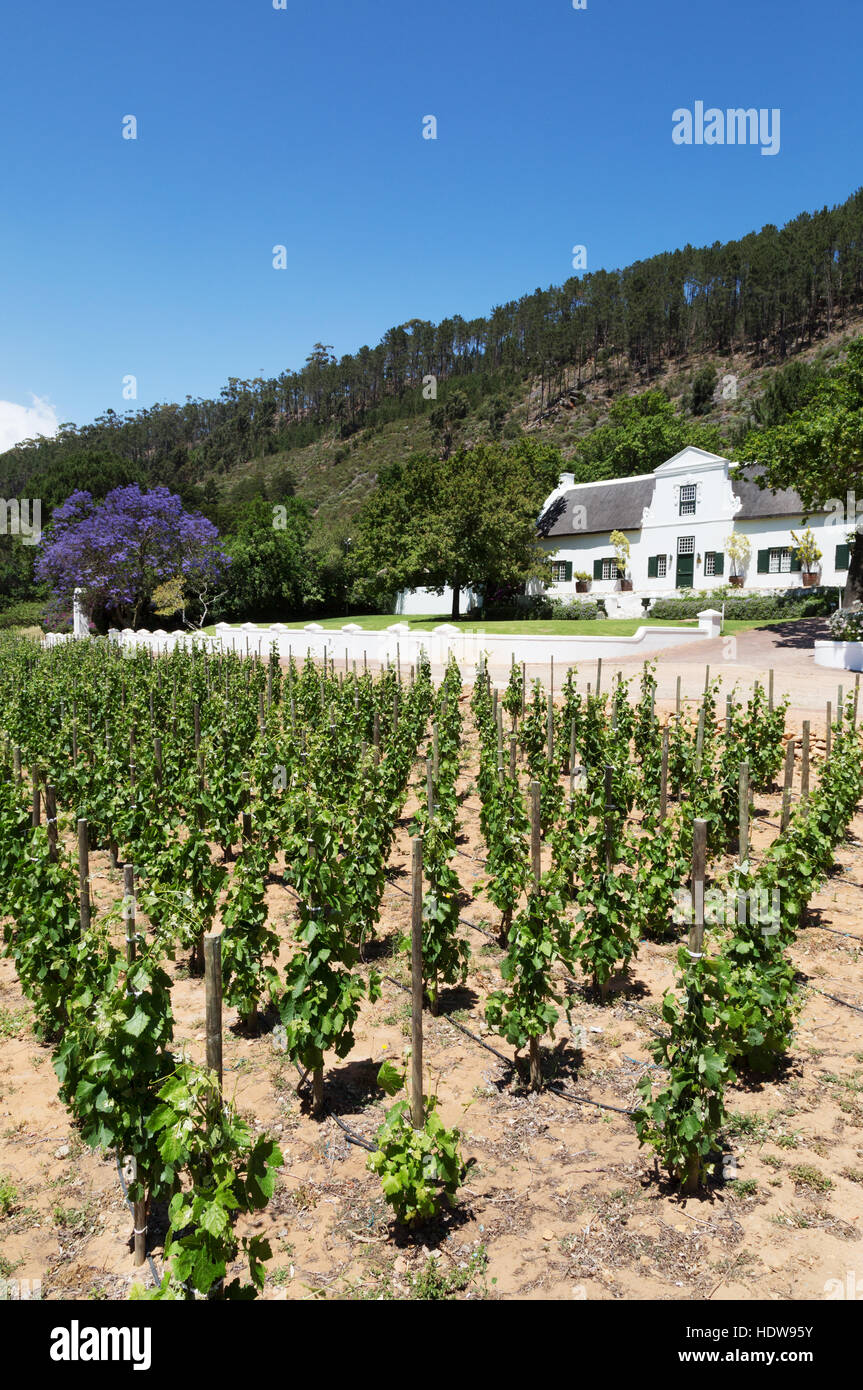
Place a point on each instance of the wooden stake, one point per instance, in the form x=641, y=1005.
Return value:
x=770, y=689
x=663, y=785
x=417, y=1104
x=84, y=873
x=608, y=817
x=51, y=821
x=804, y=765
x=787, y=784
x=699, y=742
x=139, y=1208
x=829, y=734
x=535, y=833
x=743, y=812
x=213, y=997
x=696, y=944
x=699, y=862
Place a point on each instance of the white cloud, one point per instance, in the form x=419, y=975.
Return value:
x=19, y=422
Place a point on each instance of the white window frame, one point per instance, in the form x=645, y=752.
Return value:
x=661, y=566
x=688, y=499
x=558, y=571
x=780, y=559
x=611, y=567
x=710, y=563
x=686, y=545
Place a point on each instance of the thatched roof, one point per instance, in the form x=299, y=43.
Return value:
x=618, y=505
x=608, y=506
x=758, y=503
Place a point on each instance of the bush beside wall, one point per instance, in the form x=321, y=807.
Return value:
x=806, y=603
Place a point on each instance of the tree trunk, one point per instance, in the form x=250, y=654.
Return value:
x=854, y=583
x=456, y=596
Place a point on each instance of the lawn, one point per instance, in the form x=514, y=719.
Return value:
x=598, y=627
x=602, y=627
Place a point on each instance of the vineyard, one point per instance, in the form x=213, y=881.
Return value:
x=350, y=985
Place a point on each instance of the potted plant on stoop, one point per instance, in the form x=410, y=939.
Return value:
x=810, y=557
x=582, y=581
x=621, y=558
x=738, y=550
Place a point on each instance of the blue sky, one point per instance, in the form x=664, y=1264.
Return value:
x=303, y=127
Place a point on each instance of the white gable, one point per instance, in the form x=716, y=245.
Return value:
x=692, y=459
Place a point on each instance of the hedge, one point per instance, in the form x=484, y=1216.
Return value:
x=806, y=603
x=542, y=609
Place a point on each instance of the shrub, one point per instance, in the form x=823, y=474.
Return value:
x=22, y=614
x=809, y=603
x=575, y=609
x=847, y=625
x=537, y=606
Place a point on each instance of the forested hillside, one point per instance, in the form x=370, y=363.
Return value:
x=725, y=332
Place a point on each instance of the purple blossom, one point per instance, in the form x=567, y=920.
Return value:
x=119, y=550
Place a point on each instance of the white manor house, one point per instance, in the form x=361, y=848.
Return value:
x=678, y=521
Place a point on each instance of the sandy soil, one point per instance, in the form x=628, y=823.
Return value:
x=560, y=1201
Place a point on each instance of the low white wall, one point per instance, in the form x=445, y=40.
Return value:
x=398, y=643
x=841, y=656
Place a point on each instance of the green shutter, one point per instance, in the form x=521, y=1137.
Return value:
x=653, y=567
x=567, y=571
x=843, y=555
x=597, y=569
x=718, y=562
x=796, y=561
x=764, y=562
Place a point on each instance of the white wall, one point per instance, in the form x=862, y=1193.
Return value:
x=423, y=602
x=711, y=526
x=398, y=643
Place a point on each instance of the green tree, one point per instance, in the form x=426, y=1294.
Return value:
x=641, y=433
x=269, y=569
x=446, y=419
x=466, y=521
x=703, y=386
x=787, y=390
x=818, y=451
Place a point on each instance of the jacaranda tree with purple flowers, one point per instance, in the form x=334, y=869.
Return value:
x=120, y=550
